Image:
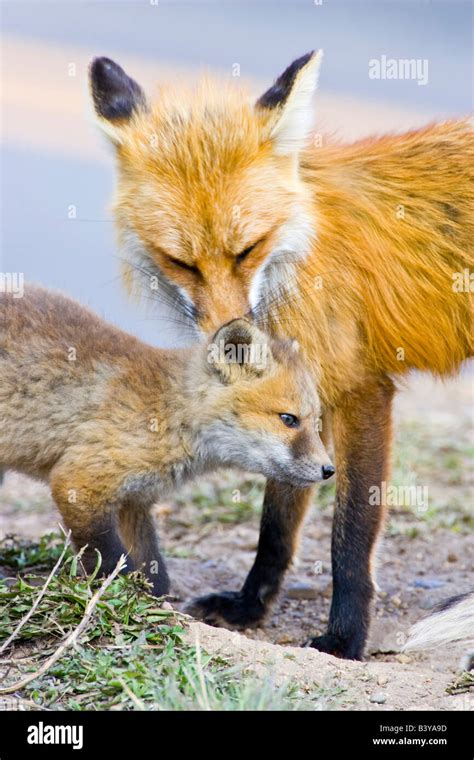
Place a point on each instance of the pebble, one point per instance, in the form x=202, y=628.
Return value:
x=403, y=659
x=327, y=591
x=302, y=591
x=378, y=698
x=167, y=606
x=163, y=509
x=285, y=638
x=396, y=601
x=427, y=583
x=382, y=680
x=452, y=558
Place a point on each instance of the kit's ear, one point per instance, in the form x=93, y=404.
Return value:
x=115, y=95
x=239, y=349
x=289, y=103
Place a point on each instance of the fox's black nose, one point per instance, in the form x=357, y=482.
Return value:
x=328, y=471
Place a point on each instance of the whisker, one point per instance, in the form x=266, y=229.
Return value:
x=166, y=292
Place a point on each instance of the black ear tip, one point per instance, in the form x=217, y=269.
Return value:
x=104, y=69
x=305, y=58
x=101, y=61
x=97, y=66
x=278, y=93
x=115, y=94
x=298, y=64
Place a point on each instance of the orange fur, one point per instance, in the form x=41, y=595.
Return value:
x=393, y=225
x=361, y=252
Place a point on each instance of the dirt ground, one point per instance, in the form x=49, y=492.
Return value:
x=210, y=535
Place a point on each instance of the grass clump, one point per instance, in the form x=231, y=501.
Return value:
x=132, y=655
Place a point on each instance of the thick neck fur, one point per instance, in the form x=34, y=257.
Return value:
x=394, y=224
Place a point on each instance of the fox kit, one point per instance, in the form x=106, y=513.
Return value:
x=361, y=251
x=114, y=425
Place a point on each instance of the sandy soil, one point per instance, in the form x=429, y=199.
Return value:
x=423, y=558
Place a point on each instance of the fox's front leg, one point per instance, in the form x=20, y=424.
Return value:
x=361, y=428
x=284, y=508
x=362, y=434
x=91, y=518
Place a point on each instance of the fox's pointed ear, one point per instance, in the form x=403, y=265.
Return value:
x=289, y=103
x=237, y=349
x=116, y=96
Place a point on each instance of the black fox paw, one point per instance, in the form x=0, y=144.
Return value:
x=228, y=608
x=331, y=644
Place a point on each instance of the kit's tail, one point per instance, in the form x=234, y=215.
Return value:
x=452, y=620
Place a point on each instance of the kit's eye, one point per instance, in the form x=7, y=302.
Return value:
x=183, y=265
x=290, y=420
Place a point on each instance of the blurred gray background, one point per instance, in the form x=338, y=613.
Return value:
x=54, y=158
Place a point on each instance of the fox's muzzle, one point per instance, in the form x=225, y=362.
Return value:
x=304, y=474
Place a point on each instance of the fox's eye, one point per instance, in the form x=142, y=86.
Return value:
x=183, y=265
x=243, y=254
x=290, y=420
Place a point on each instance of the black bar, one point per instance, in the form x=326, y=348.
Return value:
x=118, y=734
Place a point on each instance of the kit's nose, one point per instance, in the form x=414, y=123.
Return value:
x=328, y=471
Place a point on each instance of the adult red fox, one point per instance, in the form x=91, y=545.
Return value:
x=114, y=425
x=360, y=251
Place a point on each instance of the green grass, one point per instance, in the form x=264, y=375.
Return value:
x=325, y=496
x=462, y=683
x=20, y=554
x=423, y=458
x=224, y=499
x=232, y=499
x=132, y=655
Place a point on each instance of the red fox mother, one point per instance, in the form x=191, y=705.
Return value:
x=232, y=208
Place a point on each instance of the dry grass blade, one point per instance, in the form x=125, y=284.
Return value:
x=137, y=702
x=31, y=612
x=201, y=675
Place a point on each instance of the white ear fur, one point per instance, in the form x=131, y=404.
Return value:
x=295, y=346
x=297, y=113
x=112, y=132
